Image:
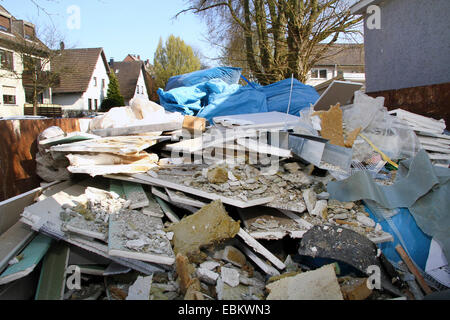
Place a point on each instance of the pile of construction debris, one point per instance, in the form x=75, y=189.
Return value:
x=175, y=210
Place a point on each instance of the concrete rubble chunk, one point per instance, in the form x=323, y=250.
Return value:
x=230, y=276
x=355, y=289
x=208, y=226
x=235, y=256
x=292, y=167
x=366, y=221
x=207, y=276
x=320, y=284
x=209, y=265
x=309, y=196
x=321, y=209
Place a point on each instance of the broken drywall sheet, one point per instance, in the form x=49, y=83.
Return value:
x=268, y=223
x=209, y=225
x=171, y=178
x=29, y=259
x=14, y=240
x=242, y=186
x=117, y=145
x=140, y=290
x=134, y=235
x=101, y=170
x=153, y=208
x=320, y=284
x=180, y=197
x=135, y=194
x=249, y=240
x=90, y=216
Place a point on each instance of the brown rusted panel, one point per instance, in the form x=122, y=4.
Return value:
x=429, y=101
x=18, y=147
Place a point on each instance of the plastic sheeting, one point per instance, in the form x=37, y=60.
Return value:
x=227, y=74
x=303, y=96
x=420, y=187
x=217, y=97
x=244, y=100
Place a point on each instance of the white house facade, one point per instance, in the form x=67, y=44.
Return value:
x=85, y=79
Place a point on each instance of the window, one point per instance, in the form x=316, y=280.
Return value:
x=142, y=89
x=5, y=24
x=6, y=60
x=9, y=99
x=103, y=84
x=137, y=90
x=319, y=74
x=96, y=104
x=90, y=104
x=95, y=81
x=29, y=32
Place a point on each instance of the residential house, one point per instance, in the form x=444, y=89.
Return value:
x=131, y=79
x=343, y=61
x=407, y=58
x=84, y=82
x=17, y=40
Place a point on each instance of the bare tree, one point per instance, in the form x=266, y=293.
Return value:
x=276, y=38
x=37, y=57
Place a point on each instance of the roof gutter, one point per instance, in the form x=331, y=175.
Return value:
x=360, y=7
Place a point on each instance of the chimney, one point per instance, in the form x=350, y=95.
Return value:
x=139, y=57
x=111, y=62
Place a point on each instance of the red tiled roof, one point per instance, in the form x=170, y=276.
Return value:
x=76, y=67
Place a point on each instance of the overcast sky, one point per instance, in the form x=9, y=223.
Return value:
x=119, y=26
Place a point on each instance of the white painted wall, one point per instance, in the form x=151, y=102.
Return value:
x=315, y=82
x=142, y=88
x=69, y=100
x=9, y=80
x=97, y=92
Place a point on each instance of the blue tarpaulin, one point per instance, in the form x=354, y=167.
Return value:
x=228, y=74
x=216, y=92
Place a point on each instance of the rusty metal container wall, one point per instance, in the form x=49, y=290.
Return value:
x=18, y=147
x=429, y=101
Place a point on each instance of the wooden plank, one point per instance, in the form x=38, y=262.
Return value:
x=53, y=273
x=201, y=193
x=31, y=256
x=260, y=249
x=125, y=131
x=13, y=241
x=413, y=269
x=136, y=194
